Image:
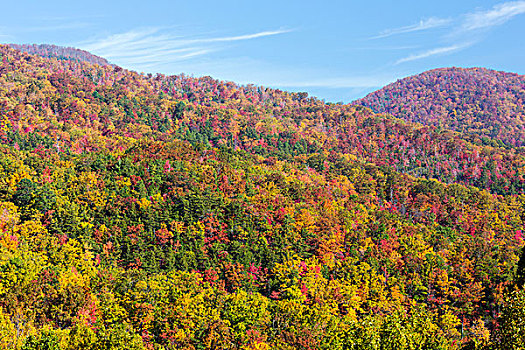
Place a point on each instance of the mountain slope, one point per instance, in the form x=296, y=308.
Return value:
x=485, y=103
x=265, y=121
x=149, y=212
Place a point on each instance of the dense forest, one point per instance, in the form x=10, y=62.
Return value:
x=171, y=212
x=488, y=104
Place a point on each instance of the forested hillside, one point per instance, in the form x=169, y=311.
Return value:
x=485, y=103
x=154, y=212
x=116, y=102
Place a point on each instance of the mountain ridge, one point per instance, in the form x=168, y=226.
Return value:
x=263, y=120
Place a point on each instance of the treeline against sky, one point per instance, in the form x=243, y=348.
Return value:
x=64, y=53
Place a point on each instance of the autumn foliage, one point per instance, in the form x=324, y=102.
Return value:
x=155, y=212
x=487, y=104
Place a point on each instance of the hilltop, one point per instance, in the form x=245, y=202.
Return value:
x=485, y=103
x=60, y=52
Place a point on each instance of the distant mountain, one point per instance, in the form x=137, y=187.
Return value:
x=60, y=52
x=483, y=102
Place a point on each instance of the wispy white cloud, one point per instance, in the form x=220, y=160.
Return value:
x=41, y=17
x=466, y=30
x=498, y=15
x=385, y=47
x=254, y=70
x=3, y=36
x=241, y=37
x=336, y=83
x=433, y=52
x=54, y=27
x=423, y=24
x=144, y=48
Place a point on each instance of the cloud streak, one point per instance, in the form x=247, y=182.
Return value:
x=498, y=15
x=241, y=37
x=151, y=46
x=423, y=24
x=465, y=29
x=433, y=52
x=55, y=27
x=4, y=36
x=337, y=83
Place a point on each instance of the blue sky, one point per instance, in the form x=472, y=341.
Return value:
x=335, y=50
